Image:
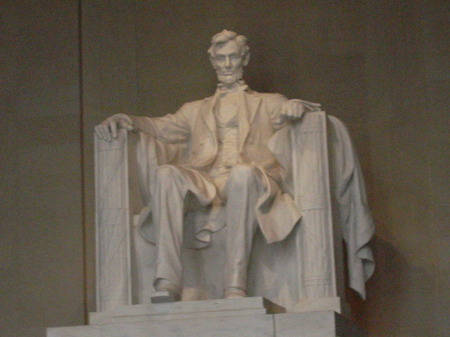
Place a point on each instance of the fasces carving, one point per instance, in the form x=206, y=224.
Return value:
x=313, y=197
x=113, y=223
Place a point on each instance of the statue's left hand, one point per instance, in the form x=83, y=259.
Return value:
x=293, y=109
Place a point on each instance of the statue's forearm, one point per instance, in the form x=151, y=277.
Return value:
x=143, y=124
x=167, y=129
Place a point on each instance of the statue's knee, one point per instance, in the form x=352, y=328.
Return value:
x=167, y=173
x=242, y=173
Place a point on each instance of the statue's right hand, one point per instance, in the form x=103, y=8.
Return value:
x=107, y=130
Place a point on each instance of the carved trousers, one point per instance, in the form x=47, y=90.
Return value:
x=242, y=190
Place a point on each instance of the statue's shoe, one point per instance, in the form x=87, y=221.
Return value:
x=234, y=293
x=166, y=292
x=164, y=296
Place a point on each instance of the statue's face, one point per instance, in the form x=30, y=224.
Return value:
x=229, y=63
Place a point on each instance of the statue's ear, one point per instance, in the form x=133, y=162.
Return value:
x=246, y=58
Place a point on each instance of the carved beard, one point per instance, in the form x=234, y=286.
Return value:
x=230, y=79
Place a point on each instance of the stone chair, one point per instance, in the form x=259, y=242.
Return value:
x=305, y=272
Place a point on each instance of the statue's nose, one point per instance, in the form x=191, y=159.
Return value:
x=228, y=62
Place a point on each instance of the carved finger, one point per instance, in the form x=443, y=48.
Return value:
x=291, y=110
x=300, y=109
x=126, y=125
x=282, y=114
x=97, y=131
x=285, y=111
x=104, y=130
x=113, y=129
x=100, y=131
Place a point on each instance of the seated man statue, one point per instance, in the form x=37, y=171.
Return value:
x=228, y=165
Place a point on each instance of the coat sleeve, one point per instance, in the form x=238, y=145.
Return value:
x=170, y=129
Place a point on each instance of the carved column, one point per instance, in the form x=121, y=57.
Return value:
x=317, y=240
x=112, y=223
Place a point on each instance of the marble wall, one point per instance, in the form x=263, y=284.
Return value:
x=41, y=232
x=377, y=65
x=407, y=80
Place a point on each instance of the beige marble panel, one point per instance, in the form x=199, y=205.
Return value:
x=248, y=326
x=185, y=310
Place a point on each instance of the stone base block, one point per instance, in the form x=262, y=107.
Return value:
x=186, y=310
x=323, y=304
x=246, y=317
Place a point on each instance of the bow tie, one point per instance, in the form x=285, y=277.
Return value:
x=222, y=89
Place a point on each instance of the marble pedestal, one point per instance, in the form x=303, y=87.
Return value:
x=247, y=317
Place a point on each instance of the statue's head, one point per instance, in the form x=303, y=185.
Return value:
x=229, y=54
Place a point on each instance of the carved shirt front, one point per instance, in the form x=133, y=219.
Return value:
x=226, y=116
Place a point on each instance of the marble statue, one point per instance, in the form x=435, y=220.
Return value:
x=238, y=163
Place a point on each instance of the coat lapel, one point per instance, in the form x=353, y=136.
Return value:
x=208, y=114
x=247, y=108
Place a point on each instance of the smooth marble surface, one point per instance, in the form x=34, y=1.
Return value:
x=260, y=325
x=320, y=304
x=307, y=324
x=186, y=310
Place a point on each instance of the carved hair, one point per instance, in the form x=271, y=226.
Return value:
x=223, y=37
